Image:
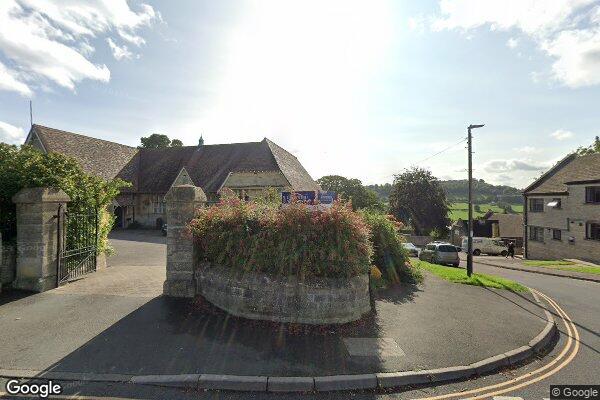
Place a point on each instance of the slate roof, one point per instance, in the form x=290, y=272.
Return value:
x=573, y=168
x=154, y=170
x=96, y=156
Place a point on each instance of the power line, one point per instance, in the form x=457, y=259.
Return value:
x=441, y=151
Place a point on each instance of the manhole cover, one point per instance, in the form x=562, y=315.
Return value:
x=373, y=347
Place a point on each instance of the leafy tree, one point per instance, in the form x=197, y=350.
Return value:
x=158, y=141
x=351, y=189
x=28, y=167
x=594, y=148
x=419, y=200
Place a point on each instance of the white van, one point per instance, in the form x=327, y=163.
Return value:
x=483, y=245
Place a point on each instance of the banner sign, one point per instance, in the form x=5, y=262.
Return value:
x=309, y=197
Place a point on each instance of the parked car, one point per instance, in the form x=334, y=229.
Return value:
x=483, y=245
x=411, y=249
x=440, y=253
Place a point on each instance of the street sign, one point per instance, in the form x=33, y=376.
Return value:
x=309, y=197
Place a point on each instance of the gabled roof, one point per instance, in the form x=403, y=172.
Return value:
x=154, y=170
x=573, y=168
x=510, y=225
x=96, y=156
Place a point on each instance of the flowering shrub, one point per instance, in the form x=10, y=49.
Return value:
x=294, y=240
x=389, y=254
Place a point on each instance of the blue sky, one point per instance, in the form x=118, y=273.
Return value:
x=361, y=89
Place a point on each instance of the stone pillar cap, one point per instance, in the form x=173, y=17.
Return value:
x=41, y=195
x=185, y=193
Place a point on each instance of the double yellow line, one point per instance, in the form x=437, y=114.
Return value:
x=572, y=346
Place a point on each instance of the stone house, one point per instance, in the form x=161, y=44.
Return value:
x=562, y=211
x=246, y=168
x=508, y=227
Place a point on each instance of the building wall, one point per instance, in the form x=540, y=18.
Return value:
x=253, y=184
x=571, y=219
x=149, y=207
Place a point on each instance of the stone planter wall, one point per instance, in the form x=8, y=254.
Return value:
x=258, y=296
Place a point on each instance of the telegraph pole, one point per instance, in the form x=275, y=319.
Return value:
x=470, y=224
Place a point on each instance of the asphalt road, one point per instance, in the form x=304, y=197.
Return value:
x=579, y=299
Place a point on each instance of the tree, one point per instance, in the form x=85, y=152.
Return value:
x=419, y=200
x=28, y=167
x=351, y=189
x=158, y=141
x=594, y=148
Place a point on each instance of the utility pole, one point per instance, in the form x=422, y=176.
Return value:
x=470, y=224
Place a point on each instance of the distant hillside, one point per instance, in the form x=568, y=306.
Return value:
x=458, y=191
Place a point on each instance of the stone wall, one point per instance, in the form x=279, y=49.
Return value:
x=8, y=263
x=258, y=296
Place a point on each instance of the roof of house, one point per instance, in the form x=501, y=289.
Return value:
x=96, y=156
x=573, y=168
x=154, y=170
x=510, y=225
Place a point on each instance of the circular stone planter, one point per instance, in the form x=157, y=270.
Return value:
x=258, y=296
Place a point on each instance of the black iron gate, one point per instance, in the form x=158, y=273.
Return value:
x=77, y=237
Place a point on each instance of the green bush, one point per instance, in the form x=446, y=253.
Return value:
x=25, y=166
x=389, y=255
x=294, y=240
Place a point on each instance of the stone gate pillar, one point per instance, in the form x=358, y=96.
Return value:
x=182, y=201
x=37, y=241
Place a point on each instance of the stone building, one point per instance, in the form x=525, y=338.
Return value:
x=246, y=168
x=562, y=213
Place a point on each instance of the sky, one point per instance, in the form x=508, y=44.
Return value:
x=363, y=89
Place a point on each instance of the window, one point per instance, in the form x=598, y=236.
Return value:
x=536, y=234
x=447, y=249
x=556, y=234
x=592, y=230
x=159, y=205
x=536, y=205
x=555, y=203
x=592, y=194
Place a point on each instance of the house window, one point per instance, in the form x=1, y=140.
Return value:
x=536, y=234
x=556, y=234
x=536, y=205
x=555, y=203
x=159, y=205
x=592, y=194
x=592, y=230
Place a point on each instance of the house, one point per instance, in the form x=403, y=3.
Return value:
x=562, y=213
x=245, y=168
x=508, y=227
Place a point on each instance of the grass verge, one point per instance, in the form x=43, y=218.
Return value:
x=563, y=266
x=459, y=275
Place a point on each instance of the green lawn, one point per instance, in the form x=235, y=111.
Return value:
x=460, y=210
x=459, y=275
x=564, y=266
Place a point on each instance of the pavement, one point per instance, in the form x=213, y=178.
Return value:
x=116, y=322
x=519, y=265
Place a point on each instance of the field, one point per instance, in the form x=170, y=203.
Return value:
x=460, y=210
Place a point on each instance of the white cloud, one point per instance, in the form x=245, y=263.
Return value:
x=495, y=166
x=48, y=40
x=9, y=81
x=119, y=52
x=11, y=134
x=527, y=149
x=512, y=42
x=566, y=30
x=561, y=134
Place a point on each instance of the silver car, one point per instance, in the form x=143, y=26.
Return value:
x=440, y=253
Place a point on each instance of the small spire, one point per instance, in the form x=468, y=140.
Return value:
x=201, y=141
